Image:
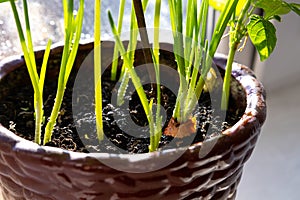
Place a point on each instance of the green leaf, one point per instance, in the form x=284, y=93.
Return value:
x=273, y=7
x=277, y=17
x=263, y=35
x=44, y=66
x=221, y=4
x=122, y=89
x=221, y=25
x=295, y=7
x=2, y=1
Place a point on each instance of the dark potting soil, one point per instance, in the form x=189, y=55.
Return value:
x=77, y=133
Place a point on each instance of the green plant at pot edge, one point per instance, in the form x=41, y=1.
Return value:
x=189, y=41
x=124, y=76
x=193, y=52
x=197, y=25
x=128, y=57
x=155, y=125
x=29, y=56
x=73, y=27
x=242, y=22
x=259, y=29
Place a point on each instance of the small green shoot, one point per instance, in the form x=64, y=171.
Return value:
x=155, y=128
x=36, y=80
x=135, y=79
x=130, y=51
x=116, y=52
x=97, y=70
x=158, y=121
x=195, y=50
x=73, y=28
x=155, y=131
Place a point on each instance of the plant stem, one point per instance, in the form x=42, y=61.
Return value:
x=72, y=32
x=197, y=51
x=135, y=78
x=152, y=146
x=138, y=7
x=236, y=34
x=116, y=51
x=60, y=87
x=39, y=111
x=221, y=26
x=28, y=34
x=153, y=58
x=97, y=70
x=139, y=88
x=130, y=52
x=190, y=23
x=227, y=77
x=38, y=95
x=31, y=70
x=158, y=121
x=31, y=67
x=219, y=30
x=176, y=22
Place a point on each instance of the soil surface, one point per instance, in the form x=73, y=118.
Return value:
x=16, y=113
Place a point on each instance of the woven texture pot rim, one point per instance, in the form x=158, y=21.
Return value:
x=253, y=118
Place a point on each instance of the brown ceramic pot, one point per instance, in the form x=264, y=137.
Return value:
x=29, y=171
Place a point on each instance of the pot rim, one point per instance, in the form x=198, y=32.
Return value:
x=253, y=117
